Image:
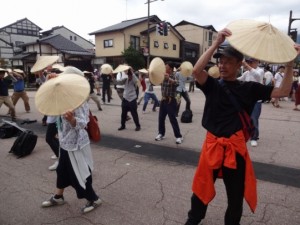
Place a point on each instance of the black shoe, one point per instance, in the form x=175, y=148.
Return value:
x=128, y=118
x=100, y=109
x=137, y=128
x=121, y=128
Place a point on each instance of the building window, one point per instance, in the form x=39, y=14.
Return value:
x=71, y=38
x=108, y=43
x=18, y=43
x=210, y=38
x=75, y=38
x=190, y=53
x=166, y=46
x=174, y=47
x=135, y=42
x=156, y=45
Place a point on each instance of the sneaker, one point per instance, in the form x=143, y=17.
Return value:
x=253, y=143
x=179, y=140
x=53, y=157
x=159, y=137
x=91, y=205
x=54, y=166
x=137, y=128
x=53, y=201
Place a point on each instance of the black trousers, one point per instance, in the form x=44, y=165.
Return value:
x=67, y=177
x=168, y=107
x=132, y=108
x=234, y=182
x=51, y=138
x=106, y=91
x=186, y=97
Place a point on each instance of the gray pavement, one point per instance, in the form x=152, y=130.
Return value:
x=144, y=182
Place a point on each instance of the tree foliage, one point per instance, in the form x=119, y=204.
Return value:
x=134, y=58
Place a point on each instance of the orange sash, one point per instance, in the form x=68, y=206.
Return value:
x=213, y=156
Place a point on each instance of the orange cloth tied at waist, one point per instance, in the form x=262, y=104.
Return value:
x=222, y=151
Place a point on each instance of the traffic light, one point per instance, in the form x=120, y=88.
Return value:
x=166, y=28
x=160, y=28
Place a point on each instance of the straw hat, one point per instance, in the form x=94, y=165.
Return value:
x=72, y=70
x=261, y=41
x=3, y=70
x=58, y=95
x=143, y=71
x=157, y=70
x=214, y=71
x=186, y=68
x=106, y=69
x=43, y=62
x=58, y=67
x=121, y=68
x=18, y=71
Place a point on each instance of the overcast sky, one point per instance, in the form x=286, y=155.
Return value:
x=84, y=17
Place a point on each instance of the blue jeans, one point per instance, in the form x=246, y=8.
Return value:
x=149, y=96
x=255, y=117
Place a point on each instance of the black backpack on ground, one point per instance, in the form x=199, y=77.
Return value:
x=24, y=144
x=8, y=131
x=187, y=116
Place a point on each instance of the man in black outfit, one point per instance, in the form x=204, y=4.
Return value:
x=224, y=152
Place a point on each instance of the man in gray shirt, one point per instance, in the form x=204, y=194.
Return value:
x=129, y=102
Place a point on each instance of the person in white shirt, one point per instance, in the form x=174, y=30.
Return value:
x=254, y=74
x=268, y=76
x=129, y=101
x=150, y=94
x=182, y=92
x=277, y=80
x=119, y=86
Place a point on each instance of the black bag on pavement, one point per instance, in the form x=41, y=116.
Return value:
x=8, y=131
x=187, y=116
x=24, y=144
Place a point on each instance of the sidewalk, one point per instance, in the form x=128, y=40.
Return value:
x=145, y=189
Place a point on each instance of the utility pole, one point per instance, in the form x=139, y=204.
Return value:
x=148, y=30
x=292, y=32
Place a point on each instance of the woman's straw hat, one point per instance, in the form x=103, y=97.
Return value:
x=43, y=62
x=106, y=69
x=214, y=71
x=157, y=70
x=121, y=68
x=143, y=71
x=186, y=68
x=61, y=94
x=261, y=41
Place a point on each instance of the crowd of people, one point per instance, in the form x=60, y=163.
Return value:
x=229, y=158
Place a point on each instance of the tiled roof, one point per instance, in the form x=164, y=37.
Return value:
x=18, y=21
x=124, y=24
x=184, y=22
x=22, y=55
x=64, y=45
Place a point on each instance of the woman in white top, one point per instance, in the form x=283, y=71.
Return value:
x=75, y=160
